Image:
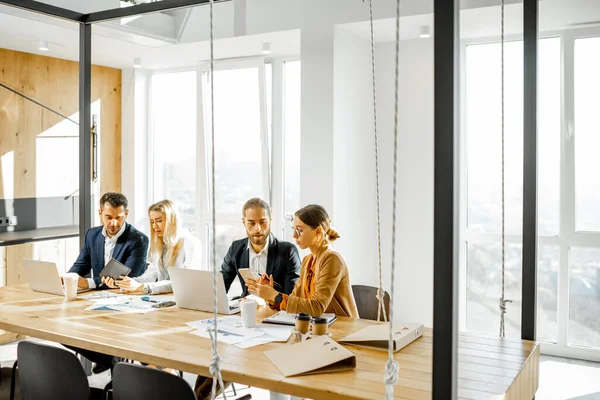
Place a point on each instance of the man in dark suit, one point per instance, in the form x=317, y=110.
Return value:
x=114, y=239
x=261, y=252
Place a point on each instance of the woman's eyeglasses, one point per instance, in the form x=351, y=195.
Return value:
x=296, y=231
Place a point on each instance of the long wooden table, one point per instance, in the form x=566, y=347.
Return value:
x=489, y=368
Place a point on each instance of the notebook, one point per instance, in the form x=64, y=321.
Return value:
x=377, y=336
x=284, y=318
x=318, y=355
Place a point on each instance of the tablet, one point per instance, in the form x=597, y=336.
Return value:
x=114, y=269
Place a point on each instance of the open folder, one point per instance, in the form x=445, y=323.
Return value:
x=377, y=336
x=314, y=356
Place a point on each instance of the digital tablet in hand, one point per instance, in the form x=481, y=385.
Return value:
x=247, y=273
x=115, y=269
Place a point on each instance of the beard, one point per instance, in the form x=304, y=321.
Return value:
x=259, y=240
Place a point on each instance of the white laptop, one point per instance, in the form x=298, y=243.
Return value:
x=43, y=277
x=193, y=289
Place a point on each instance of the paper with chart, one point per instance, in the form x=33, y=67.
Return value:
x=127, y=304
x=231, y=331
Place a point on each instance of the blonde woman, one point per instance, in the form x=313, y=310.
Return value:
x=170, y=247
x=324, y=284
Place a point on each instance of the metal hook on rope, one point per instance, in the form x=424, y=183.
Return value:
x=380, y=291
x=503, y=300
x=215, y=363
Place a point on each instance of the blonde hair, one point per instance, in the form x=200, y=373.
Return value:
x=171, y=236
x=314, y=216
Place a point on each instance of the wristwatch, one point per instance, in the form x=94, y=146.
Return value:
x=278, y=299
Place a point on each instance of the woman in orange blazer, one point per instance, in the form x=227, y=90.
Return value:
x=324, y=284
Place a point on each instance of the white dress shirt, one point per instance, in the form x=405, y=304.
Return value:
x=157, y=278
x=109, y=248
x=258, y=261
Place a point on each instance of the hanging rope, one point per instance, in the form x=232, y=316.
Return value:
x=215, y=362
x=503, y=301
x=380, y=291
x=391, y=368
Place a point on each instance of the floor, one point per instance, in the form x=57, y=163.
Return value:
x=560, y=378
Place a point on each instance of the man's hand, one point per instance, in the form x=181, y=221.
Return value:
x=110, y=282
x=82, y=283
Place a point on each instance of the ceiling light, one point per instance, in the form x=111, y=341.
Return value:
x=266, y=48
x=424, y=34
x=44, y=45
x=137, y=63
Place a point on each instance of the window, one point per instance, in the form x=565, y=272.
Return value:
x=241, y=148
x=238, y=143
x=587, y=139
x=568, y=291
x=482, y=233
x=174, y=142
x=245, y=110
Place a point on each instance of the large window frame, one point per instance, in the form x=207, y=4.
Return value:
x=568, y=237
x=272, y=146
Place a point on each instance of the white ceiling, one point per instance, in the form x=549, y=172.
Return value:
x=116, y=45
x=485, y=22
x=118, y=49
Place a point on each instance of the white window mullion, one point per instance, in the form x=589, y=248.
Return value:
x=203, y=197
x=278, y=165
x=462, y=210
x=264, y=131
x=567, y=186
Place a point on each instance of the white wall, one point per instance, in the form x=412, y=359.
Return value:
x=354, y=210
x=414, y=238
x=134, y=145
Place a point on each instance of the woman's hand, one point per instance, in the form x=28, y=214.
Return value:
x=266, y=280
x=129, y=285
x=264, y=291
x=110, y=282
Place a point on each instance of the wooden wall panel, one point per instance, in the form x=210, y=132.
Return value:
x=53, y=82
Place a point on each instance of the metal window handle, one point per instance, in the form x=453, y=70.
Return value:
x=570, y=131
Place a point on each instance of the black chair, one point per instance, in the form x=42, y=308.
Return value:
x=367, y=302
x=132, y=382
x=9, y=385
x=49, y=372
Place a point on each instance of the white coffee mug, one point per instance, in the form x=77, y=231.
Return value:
x=70, y=282
x=248, y=309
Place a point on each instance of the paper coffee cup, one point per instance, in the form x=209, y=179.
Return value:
x=248, y=309
x=70, y=282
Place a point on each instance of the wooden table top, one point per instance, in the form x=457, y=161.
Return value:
x=489, y=367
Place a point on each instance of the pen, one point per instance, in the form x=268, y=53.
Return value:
x=146, y=298
x=274, y=283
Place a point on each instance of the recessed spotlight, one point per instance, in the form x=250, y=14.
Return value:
x=266, y=48
x=44, y=45
x=137, y=63
x=424, y=34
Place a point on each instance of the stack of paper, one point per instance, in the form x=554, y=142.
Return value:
x=122, y=303
x=231, y=331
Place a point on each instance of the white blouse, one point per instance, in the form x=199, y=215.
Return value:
x=157, y=279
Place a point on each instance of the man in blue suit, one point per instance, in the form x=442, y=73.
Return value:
x=114, y=239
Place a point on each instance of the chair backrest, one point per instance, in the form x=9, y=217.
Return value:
x=135, y=382
x=49, y=372
x=367, y=303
